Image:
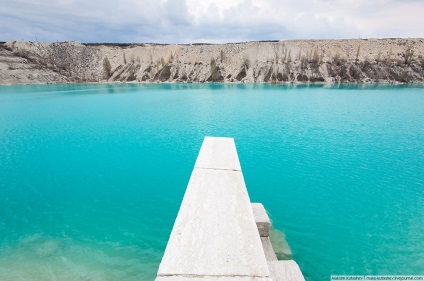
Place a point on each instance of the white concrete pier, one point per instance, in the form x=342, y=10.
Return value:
x=216, y=234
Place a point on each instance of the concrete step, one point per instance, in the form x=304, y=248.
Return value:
x=285, y=271
x=268, y=249
x=215, y=234
x=211, y=278
x=261, y=218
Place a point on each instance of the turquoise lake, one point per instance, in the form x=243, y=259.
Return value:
x=92, y=176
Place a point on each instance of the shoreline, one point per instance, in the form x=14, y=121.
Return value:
x=292, y=84
x=327, y=61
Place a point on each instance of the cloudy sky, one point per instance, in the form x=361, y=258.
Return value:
x=215, y=21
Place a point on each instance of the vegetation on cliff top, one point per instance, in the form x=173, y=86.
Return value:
x=293, y=61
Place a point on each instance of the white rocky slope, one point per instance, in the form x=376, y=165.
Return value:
x=329, y=61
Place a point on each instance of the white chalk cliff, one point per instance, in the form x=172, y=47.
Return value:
x=292, y=61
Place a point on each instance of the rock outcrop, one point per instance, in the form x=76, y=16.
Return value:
x=290, y=61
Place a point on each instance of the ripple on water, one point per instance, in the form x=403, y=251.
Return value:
x=92, y=176
x=37, y=257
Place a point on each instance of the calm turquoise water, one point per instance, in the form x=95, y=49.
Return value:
x=92, y=176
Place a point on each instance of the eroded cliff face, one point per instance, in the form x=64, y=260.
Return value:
x=291, y=61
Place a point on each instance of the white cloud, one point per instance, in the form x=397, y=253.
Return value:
x=184, y=21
